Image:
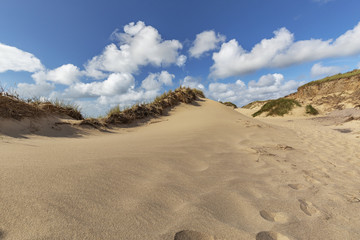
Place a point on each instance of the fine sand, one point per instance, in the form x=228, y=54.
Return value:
x=204, y=171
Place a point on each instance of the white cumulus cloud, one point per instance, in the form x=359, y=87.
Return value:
x=115, y=84
x=14, y=59
x=281, y=51
x=154, y=81
x=269, y=86
x=192, y=82
x=204, y=42
x=66, y=74
x=139, y=45
x=319, y=70
x=38, y=90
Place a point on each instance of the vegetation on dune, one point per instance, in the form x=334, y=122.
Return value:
x=277, y=107
x=311, y=110
x=252, y=104
x=11, y=106
x=229, y=104
x=332, y=78
x=155, y=108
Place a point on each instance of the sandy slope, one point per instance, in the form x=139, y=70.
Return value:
x=205, y=168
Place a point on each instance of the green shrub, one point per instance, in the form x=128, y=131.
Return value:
x=311, y=110
x=278, y=107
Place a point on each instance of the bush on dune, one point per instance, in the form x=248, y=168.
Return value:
x=278, y=107
x=311, y=110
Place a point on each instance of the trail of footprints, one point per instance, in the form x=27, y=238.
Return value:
x=307, y=207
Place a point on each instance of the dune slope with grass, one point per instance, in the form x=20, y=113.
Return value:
x=203, y=171
x=337, y=92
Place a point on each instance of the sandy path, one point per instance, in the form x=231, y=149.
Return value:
x=205, y=168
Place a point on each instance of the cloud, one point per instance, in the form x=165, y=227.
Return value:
x=154, y=81
x=66, y=75
x=117, y=90
x=322, y=1
x=181, y=60
x=39, y=90
x=139, y=45
x=115, y=84
x=192, y=82
x=205, y=42
x=319, y=70
x=281, y=51
x=269, y=86
x=14, y=59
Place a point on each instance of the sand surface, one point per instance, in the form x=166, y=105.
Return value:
x=203, y=172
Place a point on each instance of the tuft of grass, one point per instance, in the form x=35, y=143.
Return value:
x=229, y=104
x=311, y=110
x=12, y=106
x=199, y=93
x=61, y=107
x=277, y=107
x=153, y=109
x=332, y=78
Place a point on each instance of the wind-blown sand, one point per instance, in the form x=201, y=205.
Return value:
x=203, y=172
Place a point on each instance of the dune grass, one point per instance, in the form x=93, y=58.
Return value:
x=277, y=107
x=155, y=108
x=229, y=104
x=311, y=110
x=332, y=78
x=252, y=104
x=12, y=106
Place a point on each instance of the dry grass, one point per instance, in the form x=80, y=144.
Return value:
x=155, y=108
x=11, y=106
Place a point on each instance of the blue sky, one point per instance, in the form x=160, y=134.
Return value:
x=100, y=54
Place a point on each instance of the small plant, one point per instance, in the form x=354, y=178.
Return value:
x=311, y=110
x=229, y=104
x=278, y=107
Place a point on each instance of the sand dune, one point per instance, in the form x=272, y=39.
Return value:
x=204, y=171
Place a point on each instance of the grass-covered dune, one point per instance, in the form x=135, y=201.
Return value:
x=277, y=107
x=13, y=107
x=155, y=108
x=332, y=78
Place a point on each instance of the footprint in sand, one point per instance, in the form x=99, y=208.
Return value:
x=270, y=236
x=307, y=207
x=296, y=186
x=192, y=235
x=274, y=217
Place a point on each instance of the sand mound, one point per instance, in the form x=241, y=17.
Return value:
x=203, y=167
